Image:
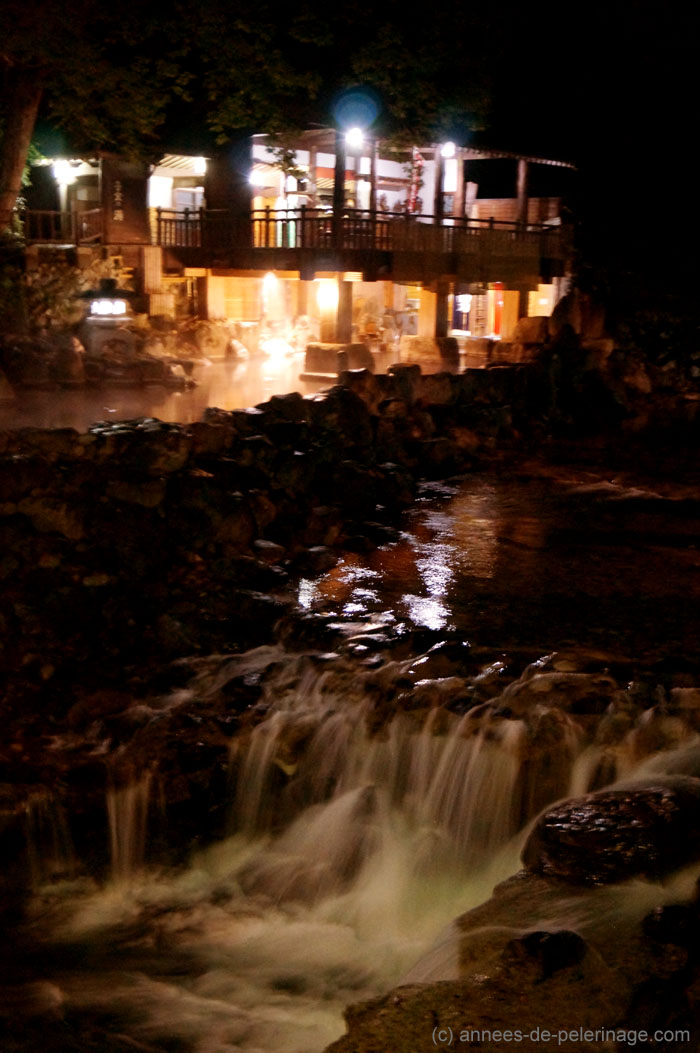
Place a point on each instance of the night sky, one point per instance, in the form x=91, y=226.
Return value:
x=610, y=86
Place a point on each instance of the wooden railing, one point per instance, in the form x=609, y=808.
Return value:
x=61, y=228
x=316, y=228
x=307, y=228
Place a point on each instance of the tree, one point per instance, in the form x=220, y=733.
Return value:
x=99, y=74
x=113, y=77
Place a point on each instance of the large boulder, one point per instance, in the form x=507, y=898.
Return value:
x=648, y=828
x=534, y=330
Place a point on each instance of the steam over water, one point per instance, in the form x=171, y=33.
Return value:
x=362, y=819
x=227, y=384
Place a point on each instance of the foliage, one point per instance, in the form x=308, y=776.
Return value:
x=286, y=160
x=46, y=297
x=94, y=64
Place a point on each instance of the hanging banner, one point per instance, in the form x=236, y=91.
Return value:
x=417, y=163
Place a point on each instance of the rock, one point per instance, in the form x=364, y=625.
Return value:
x=314, y=561
x=513, y=978
x=649, y=829
x=268, y=551
x=437, y=389
x=322, y=358
x=147, y=492
x=68, y=365
x=533, y=330
x=7, y=392
x=27, y=362
x=448, y=349
x=550, y=950
x=50, y=514
x=366, y=385
x=582, y=313
x=675, y=923
x=573, y=692
x=355, y=356
x=406, y=381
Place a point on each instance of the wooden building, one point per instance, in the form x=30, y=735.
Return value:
x=341, y=237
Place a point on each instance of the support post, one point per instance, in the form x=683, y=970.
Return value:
x=521, y=191
x=313, y=177
x=458, y=207
x=438, y=199
x=339, y=189
x=373, y=176
x=442, y=307
x=344, y=320
x=303, y=297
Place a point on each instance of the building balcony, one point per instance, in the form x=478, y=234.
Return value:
x=397, y=245
x=378, y=244
x=69, y=229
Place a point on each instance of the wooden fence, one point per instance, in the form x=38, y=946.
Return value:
x=316, y=228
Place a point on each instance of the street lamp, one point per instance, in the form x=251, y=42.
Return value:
x=354, y=137
x=65, y=175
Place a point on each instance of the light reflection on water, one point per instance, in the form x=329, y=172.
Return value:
x=227, y=384
x=531, y=561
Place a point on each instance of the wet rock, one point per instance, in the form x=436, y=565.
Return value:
x=575, y=692
x=550, y=951
x=20, y=474
x=48, y=514
x=446, y=658
x=406, y=381
x=343, y=418
x=68, y=362
x=315, y=560
x=363, y=383
x=268, y=551
x=516, y=975
x=452, y=692
x=27, y=362
x=533, y=330
x=648, y=829
x=676, y=923
x=448, y=349
x=147, y=492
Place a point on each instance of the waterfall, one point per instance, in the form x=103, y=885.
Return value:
x=366, y=818
x=50, y=851
x=333, y=790
x=127, y=811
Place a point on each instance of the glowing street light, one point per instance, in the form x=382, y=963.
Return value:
x=64, y=173
x=355, y=137
x=448, y=149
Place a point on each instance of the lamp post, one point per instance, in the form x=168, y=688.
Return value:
x=65, y=175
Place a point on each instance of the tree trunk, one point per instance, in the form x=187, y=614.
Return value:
x=23, y=90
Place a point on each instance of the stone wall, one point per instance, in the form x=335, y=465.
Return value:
x=144, y=536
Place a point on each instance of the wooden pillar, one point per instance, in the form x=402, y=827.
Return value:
x=442, y=313
x=339, y=188
x=373, y=175
x=302, y=297
x=344, y=320
x=458, y=208
x=438, y=200
x=313, y=176
x=521, y=191
x=523, y=290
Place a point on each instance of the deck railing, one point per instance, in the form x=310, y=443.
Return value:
x=61, y=228
x=317, y=228
x=307, y=228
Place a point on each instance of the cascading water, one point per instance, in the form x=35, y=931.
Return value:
x=371, y=803
x=353, y=845
x=127, y=811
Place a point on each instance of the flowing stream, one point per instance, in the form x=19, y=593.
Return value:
x=380, y=795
